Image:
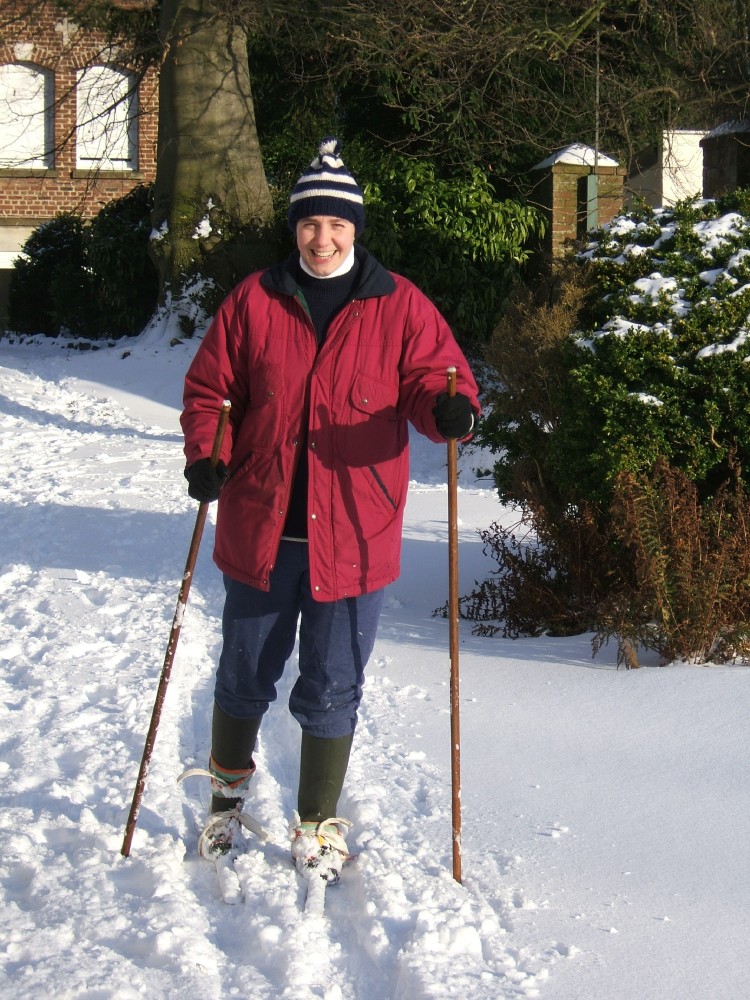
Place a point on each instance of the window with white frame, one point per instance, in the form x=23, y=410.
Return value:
x=107, y=119
x=26, y=116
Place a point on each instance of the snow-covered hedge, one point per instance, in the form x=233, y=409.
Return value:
x=620, y=421
x=662, y=361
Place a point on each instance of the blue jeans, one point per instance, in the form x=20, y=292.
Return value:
x=335, y=642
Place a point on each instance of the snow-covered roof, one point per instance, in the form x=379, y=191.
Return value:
x=578, y=154
x=730, y=128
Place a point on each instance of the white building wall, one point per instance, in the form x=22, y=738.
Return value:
x=677, y=173
x=682, y=165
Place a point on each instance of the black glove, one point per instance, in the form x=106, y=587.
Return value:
x=205, y=480
x=454, y=415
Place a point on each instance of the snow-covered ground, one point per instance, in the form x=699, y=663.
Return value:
x=605, y=813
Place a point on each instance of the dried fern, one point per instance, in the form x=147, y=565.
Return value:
x=691, y=566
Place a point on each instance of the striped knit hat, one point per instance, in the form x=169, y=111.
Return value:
x=327, y=188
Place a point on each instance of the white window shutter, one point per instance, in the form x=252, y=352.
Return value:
x=106, y=110
x=26, y=116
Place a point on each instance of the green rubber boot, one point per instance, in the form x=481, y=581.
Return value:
x=232, y=746
x=323, y=764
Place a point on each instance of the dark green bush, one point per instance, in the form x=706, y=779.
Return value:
x=88, y=279
x=51, y=289
x=657, y=365
x=128, y=284
x=630, y=370
x=453, y=236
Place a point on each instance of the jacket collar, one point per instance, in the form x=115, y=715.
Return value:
x=374, y=280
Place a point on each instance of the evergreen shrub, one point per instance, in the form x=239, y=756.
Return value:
x=51, y=289
x=118, y=256
x=628, y=370
x=453, y=236
x=87, y=278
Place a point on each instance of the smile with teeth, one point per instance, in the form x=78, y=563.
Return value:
x=323, y=254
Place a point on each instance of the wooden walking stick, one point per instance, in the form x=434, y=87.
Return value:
x=453, y=634
x=174, y=635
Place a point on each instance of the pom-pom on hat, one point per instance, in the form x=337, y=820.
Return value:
x=327, y=188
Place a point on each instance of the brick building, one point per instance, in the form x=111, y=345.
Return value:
x=78, y=125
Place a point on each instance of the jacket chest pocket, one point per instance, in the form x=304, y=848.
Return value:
x=369, y=430
x=263, y=422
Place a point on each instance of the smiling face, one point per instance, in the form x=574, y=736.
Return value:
x=324, y=241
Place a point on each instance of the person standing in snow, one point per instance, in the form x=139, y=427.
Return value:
x=324, y=357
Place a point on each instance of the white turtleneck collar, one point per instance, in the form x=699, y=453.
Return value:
x=343, y=268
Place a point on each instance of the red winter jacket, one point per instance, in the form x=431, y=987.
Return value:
x=383, y=363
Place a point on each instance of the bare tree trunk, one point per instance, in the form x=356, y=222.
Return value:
x=211, y=197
